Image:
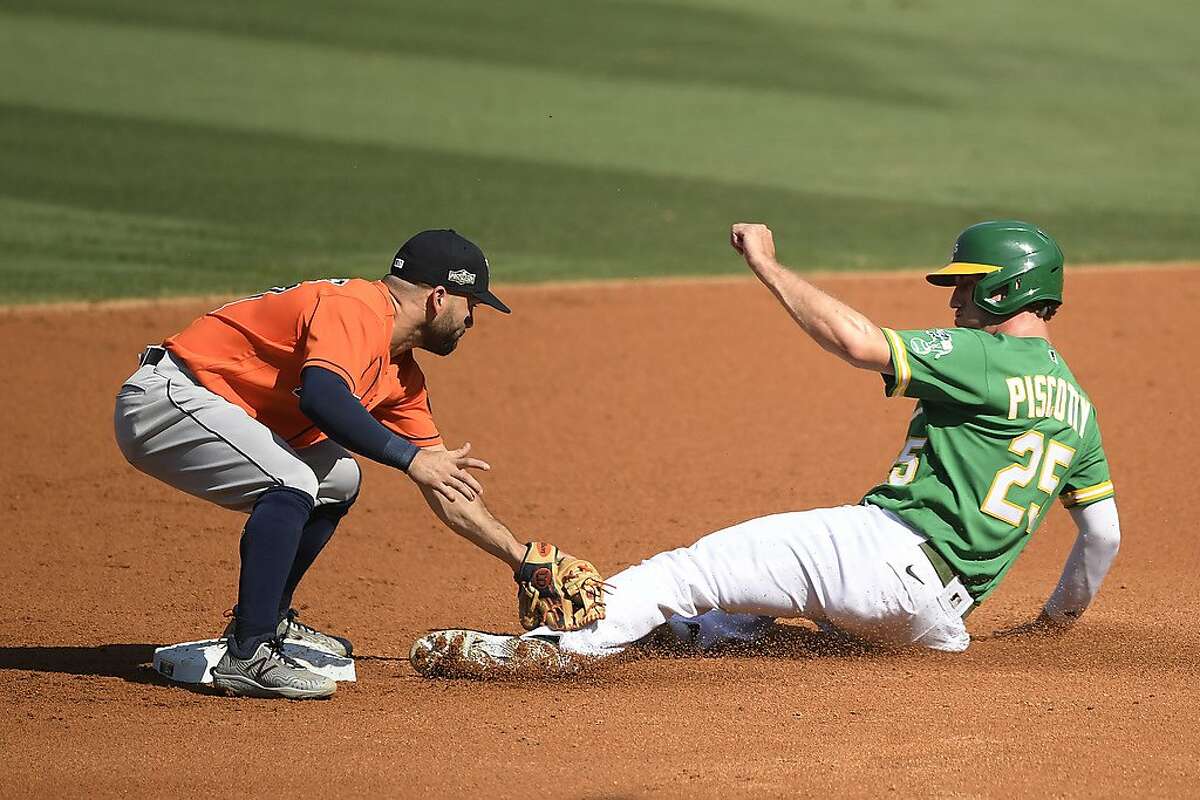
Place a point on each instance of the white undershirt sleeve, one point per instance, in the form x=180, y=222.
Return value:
x=1093, y=553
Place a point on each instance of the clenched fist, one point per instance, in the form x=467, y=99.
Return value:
x=754, y=241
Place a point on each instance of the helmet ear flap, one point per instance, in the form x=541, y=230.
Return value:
x=988, y=287
x=1005, y=295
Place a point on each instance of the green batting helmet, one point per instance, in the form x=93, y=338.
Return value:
x=1019, y=262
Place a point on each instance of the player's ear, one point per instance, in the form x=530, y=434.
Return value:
x=436, y=301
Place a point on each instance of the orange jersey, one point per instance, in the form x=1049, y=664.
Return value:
x=251, y=352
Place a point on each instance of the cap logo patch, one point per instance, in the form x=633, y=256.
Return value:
x=398, y=263
x=461, y=277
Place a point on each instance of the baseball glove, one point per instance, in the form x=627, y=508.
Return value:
x=560, y=592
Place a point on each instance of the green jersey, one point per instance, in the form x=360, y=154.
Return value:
x=1001, y=428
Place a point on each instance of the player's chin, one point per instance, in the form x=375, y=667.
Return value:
x=443, y=347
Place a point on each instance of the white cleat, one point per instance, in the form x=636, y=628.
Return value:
x=460, y=653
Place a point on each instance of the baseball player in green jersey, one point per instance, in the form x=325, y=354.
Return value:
x=1000, y=428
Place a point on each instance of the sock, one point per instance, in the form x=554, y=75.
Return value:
x=317, y=532
x=268, y=547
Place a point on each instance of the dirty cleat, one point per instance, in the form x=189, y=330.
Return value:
x=474, y=654
x=267, y=672
x=293, y=630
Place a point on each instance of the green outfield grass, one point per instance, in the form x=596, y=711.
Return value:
x=153, y=148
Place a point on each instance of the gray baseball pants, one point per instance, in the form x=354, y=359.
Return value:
x=173, y=429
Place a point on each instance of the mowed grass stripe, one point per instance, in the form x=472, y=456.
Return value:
x=195, y=148
x=461, y=106
x=986, y=133
x=230, y=211
x=686, y=43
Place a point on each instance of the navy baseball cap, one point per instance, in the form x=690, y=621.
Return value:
x=449, y=259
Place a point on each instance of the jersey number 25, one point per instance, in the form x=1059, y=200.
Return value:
x=1044, y=459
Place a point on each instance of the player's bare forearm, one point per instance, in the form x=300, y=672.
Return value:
x=832, y=324
x=471, y=520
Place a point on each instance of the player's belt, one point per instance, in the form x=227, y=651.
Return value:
x=944, y=571
x=152, y=355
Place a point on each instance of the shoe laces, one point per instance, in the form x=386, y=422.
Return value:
x=276, y=647
x=294, y=622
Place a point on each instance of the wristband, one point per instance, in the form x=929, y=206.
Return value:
x=399, y=453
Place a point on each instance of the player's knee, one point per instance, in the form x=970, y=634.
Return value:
x=341, y=485
x=126, y=426
x=301, y=479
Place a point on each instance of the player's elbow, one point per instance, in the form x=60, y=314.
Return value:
x=1100, y=526
x=1106, y=541
x=867, y=352
x=1101, y=543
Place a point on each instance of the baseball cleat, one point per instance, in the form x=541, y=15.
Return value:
x=293, y=630
x=267, y=672
x=459, y=653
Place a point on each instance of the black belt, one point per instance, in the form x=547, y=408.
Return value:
x=152, y=355
x=943, y=569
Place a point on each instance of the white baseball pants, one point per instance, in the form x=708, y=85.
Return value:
x=857, y=568
x=173, y=429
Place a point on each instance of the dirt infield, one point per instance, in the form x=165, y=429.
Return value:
x=620, y=420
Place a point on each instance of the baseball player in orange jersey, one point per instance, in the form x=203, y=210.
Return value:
x=254, y=407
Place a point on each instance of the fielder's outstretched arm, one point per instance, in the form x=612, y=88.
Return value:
x=831, y=323
x=328, y=402
x=1095, y=548
x=441, y=474
x=471, y=520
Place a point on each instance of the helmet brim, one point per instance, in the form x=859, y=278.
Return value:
x=946, y=275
